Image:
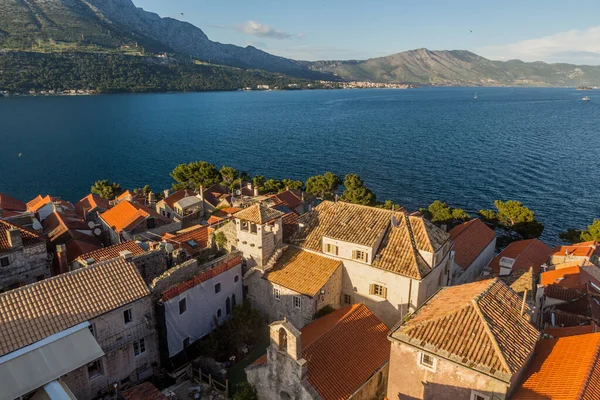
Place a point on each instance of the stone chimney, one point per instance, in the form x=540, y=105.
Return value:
x=255, y=191
x=151, y=199
x=61, y=255
x=15, y=240
x=166, y=193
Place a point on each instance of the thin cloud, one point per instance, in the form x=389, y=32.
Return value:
x=253, y=28
x=574, y=46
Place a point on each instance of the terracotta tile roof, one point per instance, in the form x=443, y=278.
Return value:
x=288, y=198
x=476, y=324
x=571, y=277
x=571, y=330
x=131, y=196
x=38, y=202
x=112, y=252
x=215, y=194
x=89, y=203
x=584, y=249
x=145, y=391
x=29, y=237
x=8, y=203
x=526, y=253
x=41, y=309
x=178, y=195
x=77, y=247
x=564, y=368
x=343, y=350
x=258, y=214
x=57, y=223
x=302, y=271
x=222, y=214
x=290, y=225
x=193, y=241
x=127, y=215
x=470, y=240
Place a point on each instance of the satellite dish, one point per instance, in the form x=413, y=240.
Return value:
x=91, y=224
x=169, y=248
x=37, y=226
x=97, y=232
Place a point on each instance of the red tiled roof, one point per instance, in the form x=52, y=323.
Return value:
x=89, y=203
x=77, y=247
x=199, y=236
x=215, y=194
x=290, y=225
x=126, y=215
x=203, y=276
x=145, y=391
x=564, y=368
x=8, y=203
x=29, y=237
x=570, y=330
x=38, y=202
x=178, y=195
x=112, y=252
x=526, y=253
x=583, y=249
x=288, y=198
x=56, y=224
x=222, y=214
x=470, y=240
x=131, y=196
x=571, y=277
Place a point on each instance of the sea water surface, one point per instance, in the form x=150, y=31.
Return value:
x=537, y=145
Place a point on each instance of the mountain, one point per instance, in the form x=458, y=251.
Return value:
x=459, y=68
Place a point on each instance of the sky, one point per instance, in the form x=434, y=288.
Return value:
x=550, y=30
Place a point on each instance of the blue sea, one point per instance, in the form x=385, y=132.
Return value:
x=536, y=145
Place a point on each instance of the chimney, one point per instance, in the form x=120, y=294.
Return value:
x=15, y=240
x=255, y=191
x=61, y=254
x=166, y=192
x=126, y=255
x=151, y=199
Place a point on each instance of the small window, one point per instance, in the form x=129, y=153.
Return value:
x=4, y=262
x=219, y=313
x=139, y=347
x=186, y=342
x=277, y=294
x=378, y=290
x=228, y=306
x=182, y=306
x=478, y=396
x=92, y=329
x=192, y=243
x=360, y=255
x=150, y=223
x=217, y=287
x=244, y=226
x=331, y=249
x=94, y=369
x=347, y=299
x=427, y=361
x=253, y=228
x=297, y=302
x=236, y=278
x=128, y=316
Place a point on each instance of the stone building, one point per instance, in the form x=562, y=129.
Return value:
x=15, y=211
x=182, y=205
x=94, y=328
x=23, y=257
x=471, y=342
x=474, y=247
x=259, y=231
x=392, y=262
x=295, y=286
x=343, y=355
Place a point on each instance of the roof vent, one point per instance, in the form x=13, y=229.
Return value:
x=506, y=265
x=126, y=255
x=89, y=261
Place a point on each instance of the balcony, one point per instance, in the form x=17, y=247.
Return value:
x=125, y=336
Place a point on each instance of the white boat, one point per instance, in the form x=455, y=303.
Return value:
x=585, y=98
x=475, y=96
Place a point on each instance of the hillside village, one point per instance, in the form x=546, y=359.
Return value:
x=211, y=293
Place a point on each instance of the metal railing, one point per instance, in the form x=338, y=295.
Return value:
x=125, y=336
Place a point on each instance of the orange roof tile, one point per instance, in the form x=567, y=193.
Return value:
x=526, y=253
x=570, y=330
x=302, y=271
x=288, y=198
x=178, y=195
x=571, y=277
x=470, y=240
x=112, y=252
x=131, y=196
x=29, y=238
x=584, y=249
x=145, y=391
x=476, y=324
x=186, y=240
x=77, y=247
x=37, y=203
x=36, y=311
x=565, y=368
x=258, y=214
x=126, y=215
x=89, y=203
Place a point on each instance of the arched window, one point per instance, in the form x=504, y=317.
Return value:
x=227, y=306
x=282, y=339
x=233, y=302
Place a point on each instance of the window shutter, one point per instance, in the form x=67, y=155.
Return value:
x=371, y=289
x=384, y=290
x=354, y=254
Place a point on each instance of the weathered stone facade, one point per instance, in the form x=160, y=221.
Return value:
x=259, y=245
x=26, y=264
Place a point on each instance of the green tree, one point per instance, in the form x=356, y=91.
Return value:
x=514, y=216
x=259, y=182
x=389, y=205
x=245, y=391
x=488, y=216
x=592, y=232
x=272, y=186
x=356, y=191
x=230, y=176
x=323, y=186
x=106, y=190
x=220, y=240
x=195, y=174
x=571, y=235
x=460, y=215
x=439, y=211
x=292, y=184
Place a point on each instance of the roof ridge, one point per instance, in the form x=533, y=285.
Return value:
x=590, y=370
x=491, y=336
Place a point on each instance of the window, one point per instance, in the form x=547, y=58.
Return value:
x=378, y=290
x=92, y=329
x=128, y=316
x=186, y=342
x=4, y=261
x=227, y=306
x=331, y=249
x=94, y=369
x=233, y=302
x=253, y=228
x=347, y=299
x=182, y=306
x=150, y=223
x=428, y=361
x=277, y=293
x=217, y=287
x=219, y=313
x=244, y=226
x=360, y=255
x=139, y=347
x=236, y=278
x=478, y=396
x=297, y=302
x=192, y=243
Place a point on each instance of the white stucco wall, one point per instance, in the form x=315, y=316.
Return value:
x=476, y=267
x=202, y=305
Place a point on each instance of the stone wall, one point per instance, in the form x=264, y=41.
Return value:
x=26, y=265
x=152, y=264
x=375, y=388
x=230, y=234
x=258, y=247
